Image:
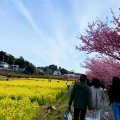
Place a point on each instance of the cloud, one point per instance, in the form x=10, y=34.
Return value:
x=25, y=12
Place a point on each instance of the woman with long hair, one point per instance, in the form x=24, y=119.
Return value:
x=97, y=97
x=114, y=96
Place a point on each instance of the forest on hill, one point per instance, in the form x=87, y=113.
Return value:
x=30, y=68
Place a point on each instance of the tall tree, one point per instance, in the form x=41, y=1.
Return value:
x=11, y=59
x=21, y=62
x=64, y=71
x=2, y=56
x=31, y=69
x=52, y=68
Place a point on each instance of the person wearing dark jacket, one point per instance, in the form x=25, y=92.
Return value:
x=82, y=97
x=114, y=96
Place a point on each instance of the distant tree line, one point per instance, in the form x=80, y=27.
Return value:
x=11, y=60
x=51, y=68
x=29, y=67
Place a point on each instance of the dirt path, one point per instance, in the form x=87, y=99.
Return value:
x=107, y=109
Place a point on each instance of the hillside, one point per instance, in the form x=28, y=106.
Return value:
x=21, y=65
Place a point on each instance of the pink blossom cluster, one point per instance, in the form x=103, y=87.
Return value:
x=102, y=39
x=102, y=68
x=72, y=76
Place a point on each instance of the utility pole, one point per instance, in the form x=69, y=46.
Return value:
x=13, y=64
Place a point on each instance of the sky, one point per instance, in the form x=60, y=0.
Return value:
x=44, y=32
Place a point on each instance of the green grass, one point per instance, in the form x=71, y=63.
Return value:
x=3, y=77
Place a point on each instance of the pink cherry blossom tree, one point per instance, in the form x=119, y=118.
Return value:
x=101, y=38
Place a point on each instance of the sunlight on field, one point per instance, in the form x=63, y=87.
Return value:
x=20, y=99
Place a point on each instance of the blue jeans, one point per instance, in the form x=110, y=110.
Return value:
x=116, y=110
x=97, y=113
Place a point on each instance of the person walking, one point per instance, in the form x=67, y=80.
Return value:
x=97, y=97
x=81, y=95
x=68, y=85
x=114, y=96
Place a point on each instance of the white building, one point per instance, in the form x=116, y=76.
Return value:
x=57, y=73
x=14, y=67
x=4, y=65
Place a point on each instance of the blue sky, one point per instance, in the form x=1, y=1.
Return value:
x=44, y=32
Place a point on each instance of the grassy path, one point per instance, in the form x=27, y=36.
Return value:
x=61, y=105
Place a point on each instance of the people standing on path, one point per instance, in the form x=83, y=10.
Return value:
x=97, y=97
x=81, y=95
x=114, y=96
x=68, y=85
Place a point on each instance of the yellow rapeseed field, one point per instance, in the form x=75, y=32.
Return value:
x=20, y=99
